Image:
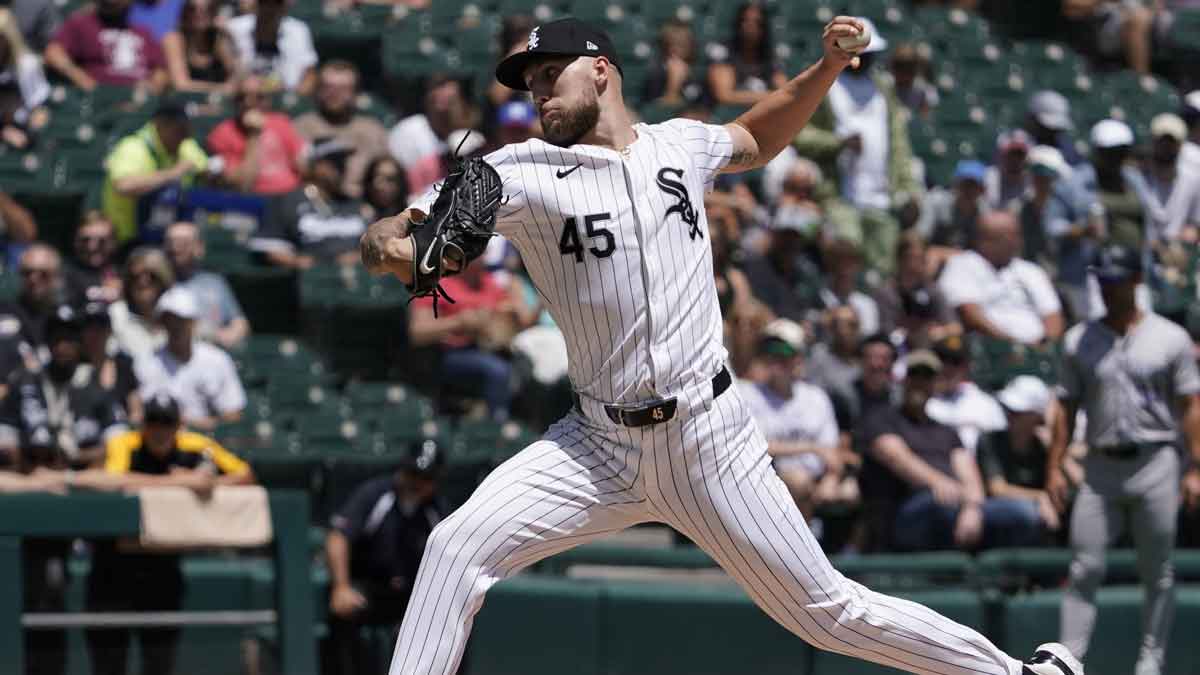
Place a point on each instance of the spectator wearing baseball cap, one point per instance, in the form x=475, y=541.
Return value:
x=859, y=136
x=909, y=66
x=158, y=454
x=199, y=376
x=317, y=222
x=1013, y=460
x=1008, y=178
x=53, y=417
x=949, y=218
x=1173, y=187
x=1048, y=121
x=516, y=122
x=796, y=418
x=1111, y=181
x=931, y=480
x=1190, y=153
x=374, y=547
x=1057, y=224
x=147, y=172
x=959, y=402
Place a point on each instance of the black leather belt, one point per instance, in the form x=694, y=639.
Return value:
x=1124, y=450
x=655, y=412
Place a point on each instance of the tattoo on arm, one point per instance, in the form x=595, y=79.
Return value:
x=743, y=157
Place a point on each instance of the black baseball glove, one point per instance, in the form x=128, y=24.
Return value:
x=457, y=228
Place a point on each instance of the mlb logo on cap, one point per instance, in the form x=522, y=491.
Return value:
x=564, y=37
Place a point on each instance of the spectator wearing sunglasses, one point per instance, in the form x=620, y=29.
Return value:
x=93, y=276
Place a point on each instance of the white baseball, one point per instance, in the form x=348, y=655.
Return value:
x=856, y=43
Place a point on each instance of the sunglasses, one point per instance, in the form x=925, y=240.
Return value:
x=38, y=271
x=143, y=275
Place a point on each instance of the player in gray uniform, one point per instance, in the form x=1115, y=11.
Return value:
x=609, y=218
x=1134, y=374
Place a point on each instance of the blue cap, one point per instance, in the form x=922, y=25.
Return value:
x=516, y=114
x=1116, y=263
x=969, y=169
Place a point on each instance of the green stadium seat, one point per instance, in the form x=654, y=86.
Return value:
x=1029, y=619
x=700, y=629
x=525, y=615
x=615, y=555
x=344, y=474
x=907, y=571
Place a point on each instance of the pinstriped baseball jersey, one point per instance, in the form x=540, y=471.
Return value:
x=617, y=245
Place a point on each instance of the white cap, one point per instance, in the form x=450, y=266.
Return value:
x=1192, y=101
x=1025, y=393
x=1169, y=124
x=1049, y=157
x=1111, y=134
x=179, y=301
x=787, y=331
x=877, y=43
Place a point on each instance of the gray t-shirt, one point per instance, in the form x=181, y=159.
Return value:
x=1128, y=384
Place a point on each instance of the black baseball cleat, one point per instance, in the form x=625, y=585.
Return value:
x=1052, y=658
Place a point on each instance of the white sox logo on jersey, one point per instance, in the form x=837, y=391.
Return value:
x=675, y=188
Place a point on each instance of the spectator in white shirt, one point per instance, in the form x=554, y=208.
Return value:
x=276, y=46
x=420, y=142
x=1173, y=199
x=201, y=377
x=1190, y=154
x=998, y=294
x=959, y=402
x=797, y=419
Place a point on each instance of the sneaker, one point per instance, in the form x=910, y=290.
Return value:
x=1052, y=658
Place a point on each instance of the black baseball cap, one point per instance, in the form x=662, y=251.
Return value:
x=564, y=37
x=424, y=459
x=952, y=350
x=1116, y=263
x=171, y=108
x=161, y=408
x=64, y=321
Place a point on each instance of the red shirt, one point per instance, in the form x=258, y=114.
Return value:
x=110, y=55
x=489, y=295
x=279, y=150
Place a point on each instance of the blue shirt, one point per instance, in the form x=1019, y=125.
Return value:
x=157, y=16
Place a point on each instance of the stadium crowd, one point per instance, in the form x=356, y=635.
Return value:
x=896, y=333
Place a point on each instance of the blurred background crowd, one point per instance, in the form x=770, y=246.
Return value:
x=183, y=184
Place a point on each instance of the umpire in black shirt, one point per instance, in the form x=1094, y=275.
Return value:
x=374, y=548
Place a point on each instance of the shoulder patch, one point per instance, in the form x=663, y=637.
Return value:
x=9, y=325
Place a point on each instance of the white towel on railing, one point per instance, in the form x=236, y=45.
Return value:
x=175, y=517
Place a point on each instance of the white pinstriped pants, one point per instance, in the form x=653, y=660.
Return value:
x=707, y=474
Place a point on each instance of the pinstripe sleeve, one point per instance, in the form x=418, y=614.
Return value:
x=710, y=145
x=512, y=211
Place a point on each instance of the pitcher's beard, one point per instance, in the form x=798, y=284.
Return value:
x=571, y=125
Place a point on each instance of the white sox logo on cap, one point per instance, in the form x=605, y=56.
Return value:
x=533, y=39
x=592, y=46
